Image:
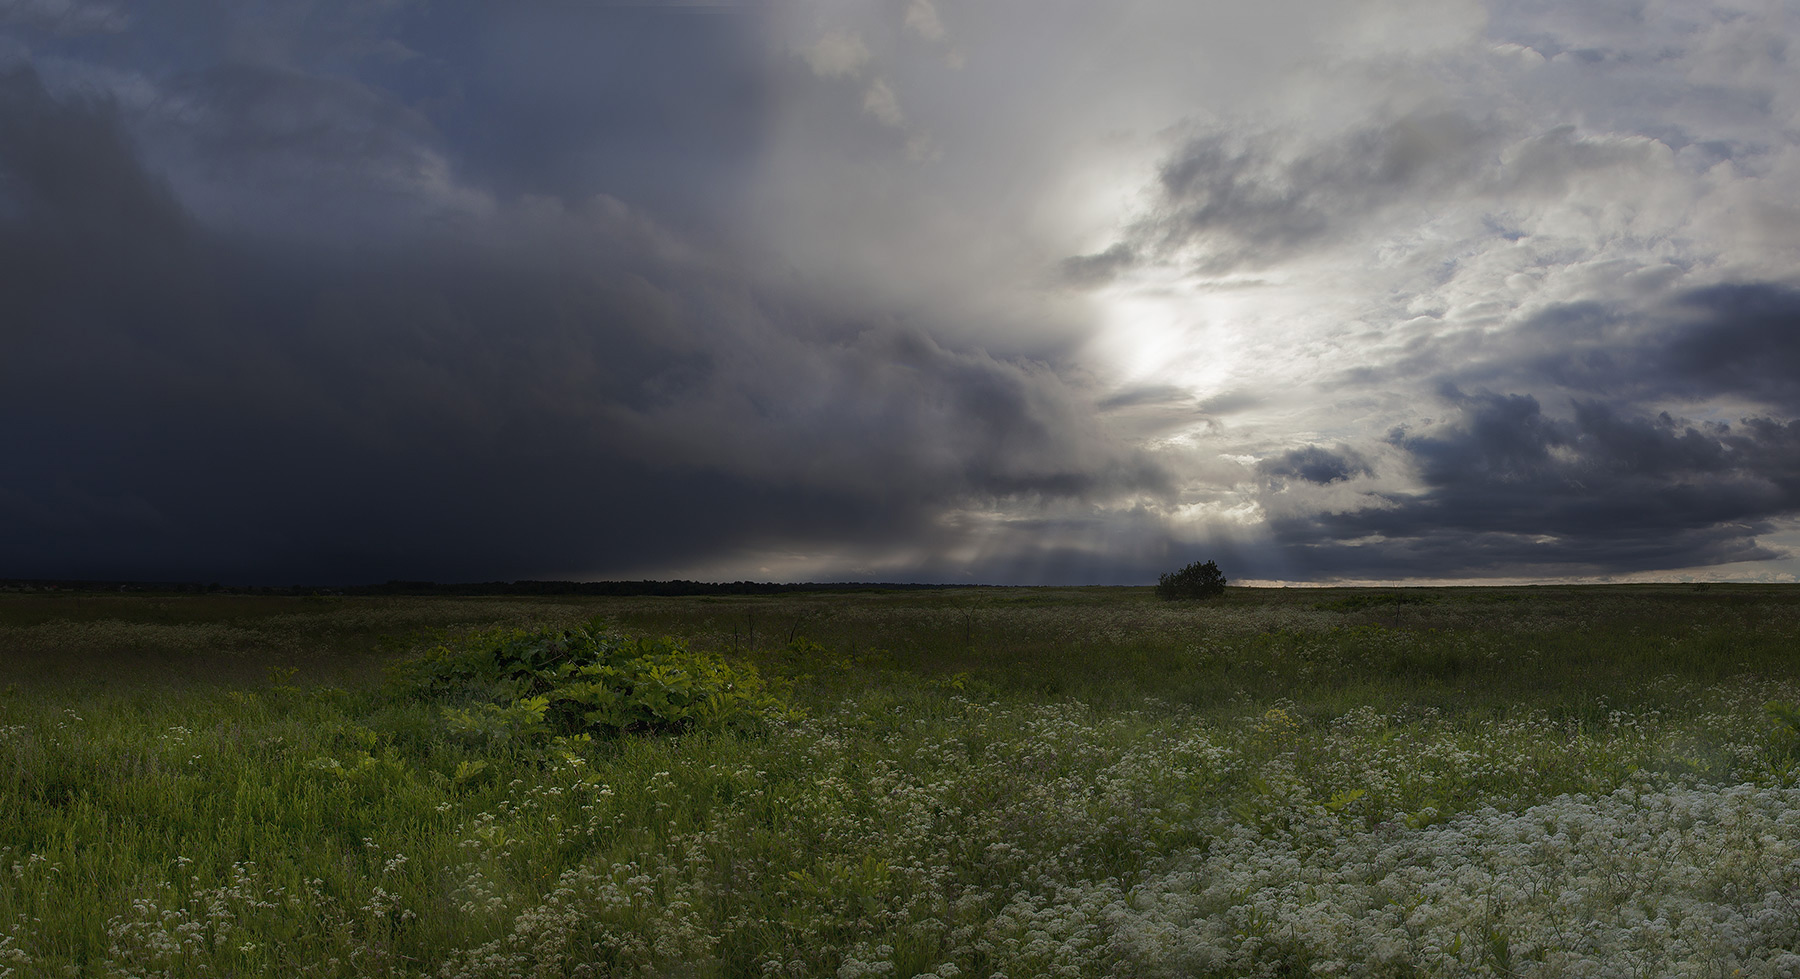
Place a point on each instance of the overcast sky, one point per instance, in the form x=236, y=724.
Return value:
x=1007, y=291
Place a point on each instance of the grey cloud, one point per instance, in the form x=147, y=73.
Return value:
x=555, y=400
x=1181, y=397
x=1231, y=402
x=837, y=55
x=1249, y=199
x=324, y=110
x=258, y=145
x=256, y=116
x=922, y=18
x=1429, y=552
x=1316, y=465
x=437, y=290
x=1230, y=200
x=1509, y=489
x=75, y=205
x=1545, y=163
x=1739, y=338
x=1617, y=480
x=65, y=16
x=664, y=108
x=1152, y=395
x=1086, y=271
x=1719, y=69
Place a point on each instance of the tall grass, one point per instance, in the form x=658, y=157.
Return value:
x=1017, y=782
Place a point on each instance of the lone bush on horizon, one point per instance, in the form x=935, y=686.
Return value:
x=1197, y=580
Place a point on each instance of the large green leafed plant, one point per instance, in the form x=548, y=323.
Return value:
x=588, y=680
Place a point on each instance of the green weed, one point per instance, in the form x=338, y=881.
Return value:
x=1078, y=782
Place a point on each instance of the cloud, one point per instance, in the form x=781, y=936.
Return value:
x=1389, y=289
x=1741, y=339
x=842, y=54
x=256, y=145
x=838, y=55
x=1612, y=482
x=922, y=19
x=1730, y=344
x=65, y=17
x=77, y=202
x=1086, y=271
x=1231, y=199
x=879, y=101
x=1316, y=465
x=1240, y=200
x=553, y=391
x=1547, y=163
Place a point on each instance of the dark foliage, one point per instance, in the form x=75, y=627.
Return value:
x=1194, y=581
x=586, y=681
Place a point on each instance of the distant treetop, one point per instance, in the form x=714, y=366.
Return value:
x=1194, y=581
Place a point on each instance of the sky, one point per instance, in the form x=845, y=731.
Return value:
x=996, y=291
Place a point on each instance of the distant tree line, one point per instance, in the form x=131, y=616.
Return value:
x=677, y=587
x=86, y=585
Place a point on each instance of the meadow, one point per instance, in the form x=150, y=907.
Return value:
x=1554, y=781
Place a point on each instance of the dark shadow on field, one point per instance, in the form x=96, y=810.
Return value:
x=1459, y=648
x=128, y=641
x=1574, y=651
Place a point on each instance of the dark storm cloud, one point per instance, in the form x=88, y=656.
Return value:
x=1742, y=339
x=1601, y=478
x=664, y=105
x=64, y=16
x=564, y=394
x=313, y=112
x=266, y=142
x=1508, y=488
x=320, y=289
x=1316, y=465
x=1737, y=340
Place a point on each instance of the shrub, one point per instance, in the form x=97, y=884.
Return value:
x=1194, y=581
x=587, y=680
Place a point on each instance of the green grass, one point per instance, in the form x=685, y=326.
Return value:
x=985, y=782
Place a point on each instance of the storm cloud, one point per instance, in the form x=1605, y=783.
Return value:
x=1316, y=465
x=1008, y=292
x=1507, y=488
x=1606, y=482
x=546, y=391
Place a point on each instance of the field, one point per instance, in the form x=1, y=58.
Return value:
x=1595, y=781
